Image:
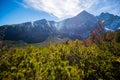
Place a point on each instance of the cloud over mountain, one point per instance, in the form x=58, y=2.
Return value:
x=61, y=8
x=69, y=8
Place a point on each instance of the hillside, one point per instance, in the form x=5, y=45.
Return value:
x=95, y=58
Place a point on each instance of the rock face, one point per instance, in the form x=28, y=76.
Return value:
x=111, y=21
x=77, y=27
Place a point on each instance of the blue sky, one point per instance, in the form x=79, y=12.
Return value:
x=12, y=12
x=18, y=11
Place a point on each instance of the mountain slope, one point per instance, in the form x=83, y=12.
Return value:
x=79, y=25
x=111, y=21
x=28, y=32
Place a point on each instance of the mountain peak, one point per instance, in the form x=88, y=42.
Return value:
x=84, y=13
x=106, y=14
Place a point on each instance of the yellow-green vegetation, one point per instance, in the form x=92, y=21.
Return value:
x=67, y=61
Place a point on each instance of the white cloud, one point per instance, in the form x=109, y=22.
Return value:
x=22, y=4
x=68, y=8
x=61, y=8
x=110, y=6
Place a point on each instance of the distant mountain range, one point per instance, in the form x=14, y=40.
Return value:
x=77, y=27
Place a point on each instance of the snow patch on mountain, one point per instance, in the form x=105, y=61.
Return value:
x=107, y=29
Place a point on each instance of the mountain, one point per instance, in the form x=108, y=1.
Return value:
x=111, y=21
x=77, y=27
x=30, y=32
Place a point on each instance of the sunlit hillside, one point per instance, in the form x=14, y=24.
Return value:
x=89, y=59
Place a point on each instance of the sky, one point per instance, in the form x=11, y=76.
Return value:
x=19, y=11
